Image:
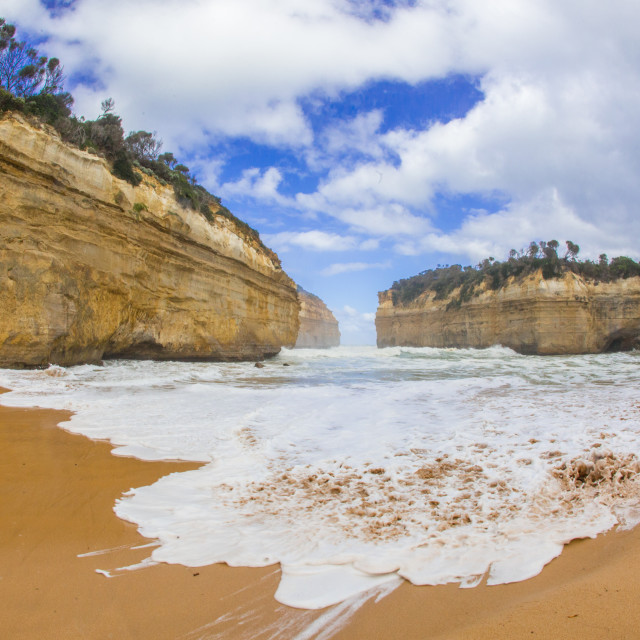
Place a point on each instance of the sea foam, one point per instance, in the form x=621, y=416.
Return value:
x=356, y=467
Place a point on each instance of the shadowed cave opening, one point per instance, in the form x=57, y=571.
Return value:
x=622, y=341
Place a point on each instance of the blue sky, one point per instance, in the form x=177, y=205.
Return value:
x=369, y=140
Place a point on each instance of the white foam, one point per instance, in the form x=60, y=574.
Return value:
x=353, y=466
x=301, y=585
x=104, y=573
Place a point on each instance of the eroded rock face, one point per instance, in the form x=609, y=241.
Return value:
x=534, y=316
x=318, y=326
x=95, y=268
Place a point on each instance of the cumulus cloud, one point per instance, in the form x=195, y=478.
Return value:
x=529, y=138
x=315, y=240
x=484, y=234
x=351, y=140
x=369, y=216
x=349, y=267
x=257, y=184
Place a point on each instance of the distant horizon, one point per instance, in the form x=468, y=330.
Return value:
x=368, y=140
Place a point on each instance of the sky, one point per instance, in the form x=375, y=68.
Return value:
x=369, y=140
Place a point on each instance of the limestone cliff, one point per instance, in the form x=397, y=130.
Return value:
x=93, y=267
x=318, y=326
x=568, y=315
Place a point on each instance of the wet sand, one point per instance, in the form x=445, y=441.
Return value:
x=57, y=492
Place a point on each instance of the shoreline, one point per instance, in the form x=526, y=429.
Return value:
x=57, y=495
x=57, y=492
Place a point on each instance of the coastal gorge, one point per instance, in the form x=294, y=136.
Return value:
x=94, y=267
x=562, y=312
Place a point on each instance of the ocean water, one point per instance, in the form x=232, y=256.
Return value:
x=357, y=467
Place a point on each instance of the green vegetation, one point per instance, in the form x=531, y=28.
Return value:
x=139, y=207
x=23, y=72
x=493, y=274
x=33, y=85
x=29, y=82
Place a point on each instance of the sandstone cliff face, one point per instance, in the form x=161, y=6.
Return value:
x=95, y=268
x=318, y=326
x=533, y=316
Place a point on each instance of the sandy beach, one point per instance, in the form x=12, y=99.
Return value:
x=57, y=492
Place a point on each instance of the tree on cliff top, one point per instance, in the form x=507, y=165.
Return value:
x=572, y=250
x=30, y=82
x=143, y=145
x=23, y=71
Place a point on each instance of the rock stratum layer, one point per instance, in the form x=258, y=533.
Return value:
x=94, y=268
x=318, y=326
x=568, y=315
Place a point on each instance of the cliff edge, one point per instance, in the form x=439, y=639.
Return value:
x=318, y=326
x=96, y=268
x=533, y=315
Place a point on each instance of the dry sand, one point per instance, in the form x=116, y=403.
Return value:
x=57, y=492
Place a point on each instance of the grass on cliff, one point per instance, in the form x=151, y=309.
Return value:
x=37, y=92
x=492, y=274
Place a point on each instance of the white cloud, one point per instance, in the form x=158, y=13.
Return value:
x=370, y=216
x=485, y=234
x=349, y=139
x=260, y=185
x=528, y=136
x=315, y=240
x=370, y=245
x=349, y=267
